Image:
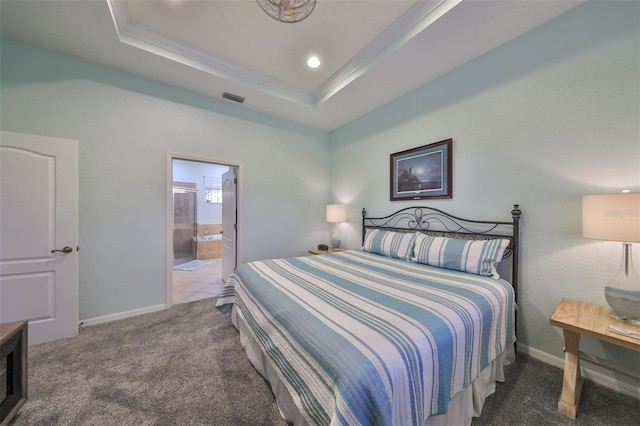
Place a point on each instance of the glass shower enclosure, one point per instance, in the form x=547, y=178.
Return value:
x=185, y=224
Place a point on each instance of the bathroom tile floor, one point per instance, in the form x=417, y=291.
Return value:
x=189, y=286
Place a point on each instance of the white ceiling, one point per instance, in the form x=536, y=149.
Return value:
x=372, y=51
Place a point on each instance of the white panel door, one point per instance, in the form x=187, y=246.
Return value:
x=229, y=222
x=39, y=234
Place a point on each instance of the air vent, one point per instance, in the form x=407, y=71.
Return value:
x=233, y=97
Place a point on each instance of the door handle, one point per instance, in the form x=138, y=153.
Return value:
x=66, y=249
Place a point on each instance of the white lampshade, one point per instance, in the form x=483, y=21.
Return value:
x=336, y=213
x=616, y=217
x=611, y=217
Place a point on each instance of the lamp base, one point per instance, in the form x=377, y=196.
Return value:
x=623, y=291
x=623, y=299
x=624, y=319
x=335, y=243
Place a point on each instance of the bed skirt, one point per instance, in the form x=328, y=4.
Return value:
x=464, y=405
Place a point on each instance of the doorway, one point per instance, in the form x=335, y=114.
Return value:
x=197, y=211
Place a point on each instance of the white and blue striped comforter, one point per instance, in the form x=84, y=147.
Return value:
x=362, y=339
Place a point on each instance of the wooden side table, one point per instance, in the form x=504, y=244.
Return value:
x=331, y=250
x=579, y=318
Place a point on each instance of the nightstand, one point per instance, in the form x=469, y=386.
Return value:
x=577, y=318
x=331, y=250
x=13, y=353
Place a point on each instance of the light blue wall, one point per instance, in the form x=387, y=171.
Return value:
x=125, y=127
x=540, y=121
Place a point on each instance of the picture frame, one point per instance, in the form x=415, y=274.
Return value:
x=422, y=173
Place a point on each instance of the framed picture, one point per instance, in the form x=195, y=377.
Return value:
x=423, y=172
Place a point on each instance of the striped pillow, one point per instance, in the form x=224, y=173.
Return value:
x=389, y=243
x=476, y=257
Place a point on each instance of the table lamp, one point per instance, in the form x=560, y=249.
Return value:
x=336, y=213
x=616, y=217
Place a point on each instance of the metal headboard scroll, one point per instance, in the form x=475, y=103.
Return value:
x=436, y=222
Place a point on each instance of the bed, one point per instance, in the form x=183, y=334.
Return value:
x=414, y=328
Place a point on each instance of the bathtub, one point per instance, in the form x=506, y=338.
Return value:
x=209, y=246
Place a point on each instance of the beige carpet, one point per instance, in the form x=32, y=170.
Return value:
x=182, y=366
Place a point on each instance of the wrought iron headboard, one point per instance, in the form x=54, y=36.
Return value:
x=439, y=223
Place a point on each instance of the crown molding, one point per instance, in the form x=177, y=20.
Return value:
x=169, y=48
x=417, y=18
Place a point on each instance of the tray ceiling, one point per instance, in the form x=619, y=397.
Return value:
x=372, y=51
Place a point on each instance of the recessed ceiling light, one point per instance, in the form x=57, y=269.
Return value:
x=313, y=62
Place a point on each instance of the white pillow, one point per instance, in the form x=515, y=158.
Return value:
x=478, y=257
x=389, y=243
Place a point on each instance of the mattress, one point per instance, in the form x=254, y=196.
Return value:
x=359, y=338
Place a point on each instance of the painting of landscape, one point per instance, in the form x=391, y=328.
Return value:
x=423, y=172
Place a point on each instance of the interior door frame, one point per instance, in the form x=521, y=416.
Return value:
x=169, y=213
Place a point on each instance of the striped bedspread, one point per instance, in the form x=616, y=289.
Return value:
x=362, y=339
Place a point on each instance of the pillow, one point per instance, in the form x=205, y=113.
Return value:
x=478, y=257
x=389, y=243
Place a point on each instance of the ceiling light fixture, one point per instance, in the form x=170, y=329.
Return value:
x=288, y=10
x=313, y=62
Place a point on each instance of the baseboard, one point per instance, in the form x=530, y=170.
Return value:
x=587, y=373
x=121, y=315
